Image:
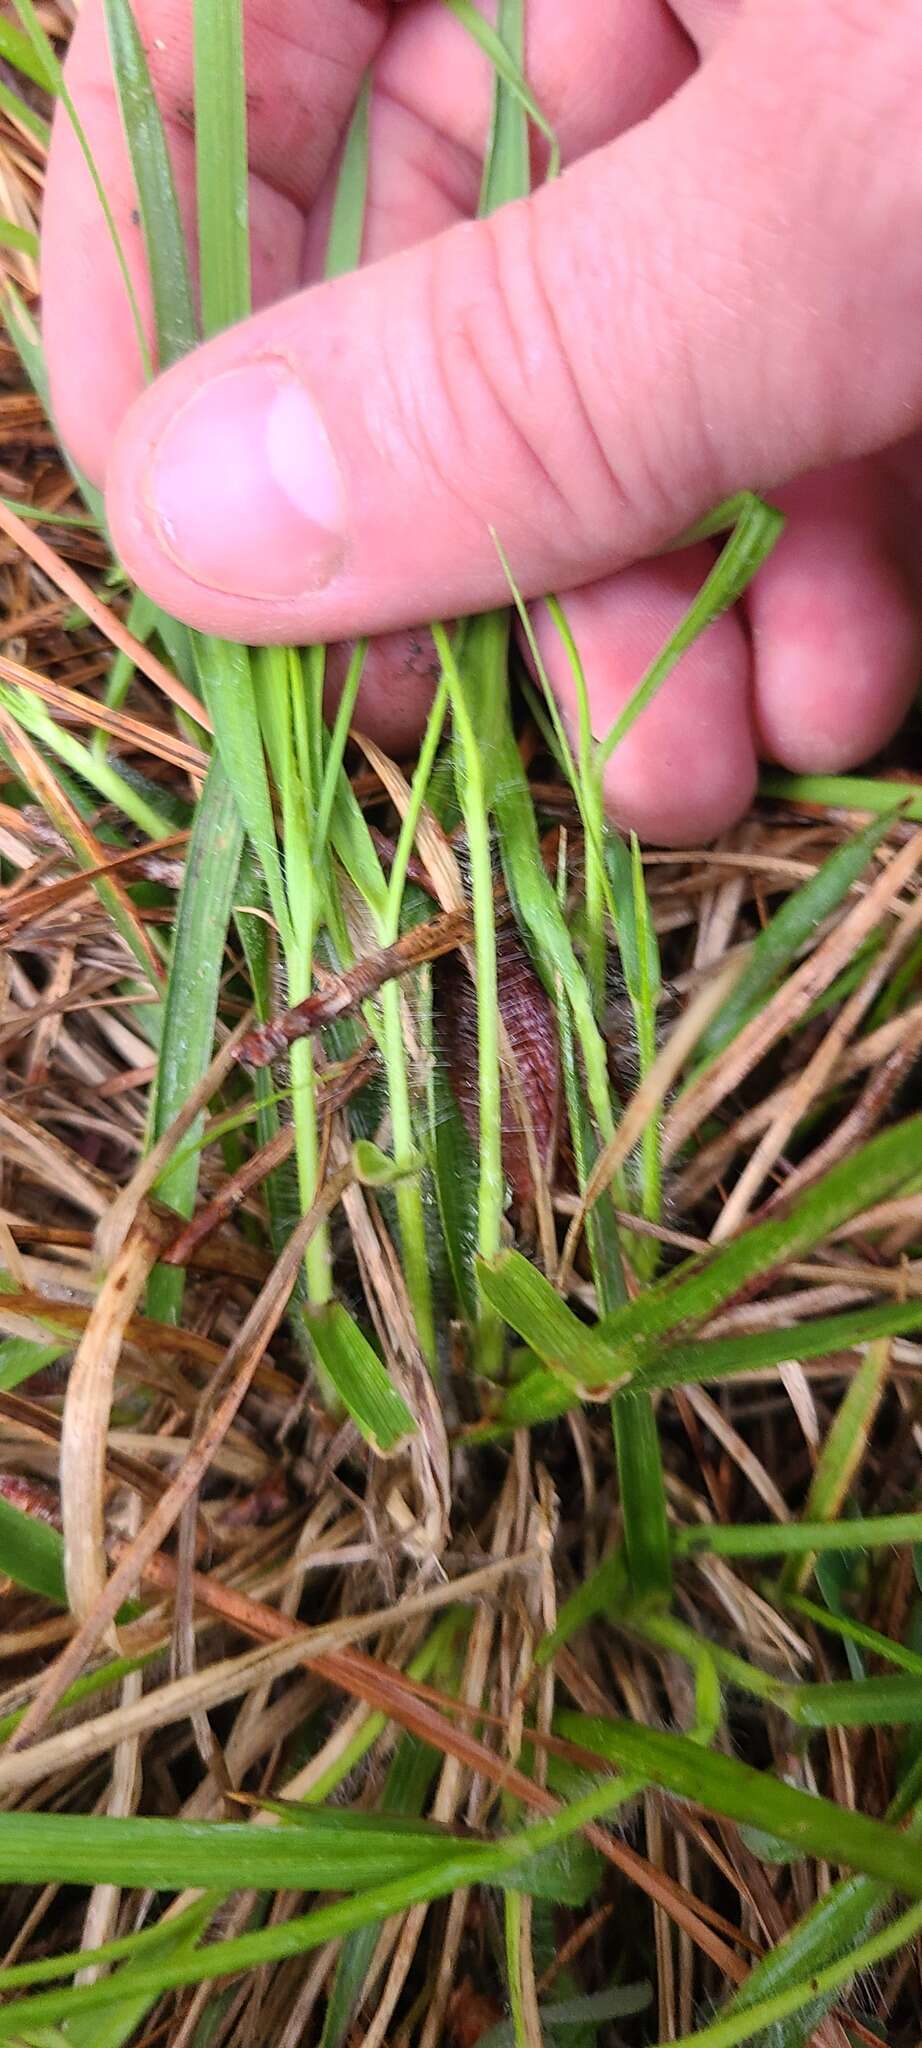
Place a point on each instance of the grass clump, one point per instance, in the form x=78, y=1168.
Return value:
x=415, y=1459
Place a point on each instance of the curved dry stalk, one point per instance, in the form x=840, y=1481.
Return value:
x=110, y=625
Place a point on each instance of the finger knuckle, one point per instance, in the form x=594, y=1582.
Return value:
x=521, y=411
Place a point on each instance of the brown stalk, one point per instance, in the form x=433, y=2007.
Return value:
x=166, y=746
x=345, y=993
x=239, y=1366
x=30, y=906
x=38, y=778
x=422, y=1711
x=110, y=625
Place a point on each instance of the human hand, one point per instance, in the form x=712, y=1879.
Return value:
x=723, y=289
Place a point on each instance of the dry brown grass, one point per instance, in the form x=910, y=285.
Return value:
x=195, y=1463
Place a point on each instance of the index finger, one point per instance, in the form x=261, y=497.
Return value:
x=303, y=73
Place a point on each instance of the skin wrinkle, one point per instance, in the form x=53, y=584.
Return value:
x=485, y=343
x=639, y=472
x=410, y=409
x=612, y=485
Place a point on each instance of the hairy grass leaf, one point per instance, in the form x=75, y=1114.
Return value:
x=164, y=241
x=494, y=1863
x=318, y=1849
x=811, y=1825
x=698, y=1287
x=221, y=163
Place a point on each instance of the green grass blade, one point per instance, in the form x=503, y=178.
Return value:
x=699, y=1286
x=835, y=1926
x=26, y=340
x=859, y=1703
x=318, y=1849
x=537, y=1398
x=410, y=1212
x=604, y=1591
x=751, y=542
x=177, y=1938
x=31, y=1554
x=95, y=770
x=190, y=1008
x=842, y=1453
x=503, y=64
x=857, y=1633
x=344, y=247
x=532, y=1307
x=25, y=54
x=722, y=1357
x=810, y=1992
x=721, y=519
x=846, y=793
x=643, y=1496
x=19, y=1358
x=281, y=1194
x=677, y=1365
x=333, y=763
x=226, y=679
x=23, y=240
x=36, y=515
x=405, y=1791
x=514, y=1919
x=601, y=1223
x=507, y=169
x=19, y=111
x=813, y=1826
x=221, y=163
x=586, y=781
x=101, y=1680
x=126, y=1947
x=360, y=1378
x=790, y=929
x=792, y=1539
x=164, y=241
x=640, y=961
x=492, y=1863
x=62, y=811
x=635, y=1433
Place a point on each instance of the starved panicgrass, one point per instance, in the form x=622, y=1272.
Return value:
x=426, y=1630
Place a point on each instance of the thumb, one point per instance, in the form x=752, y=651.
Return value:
x=720, y=298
